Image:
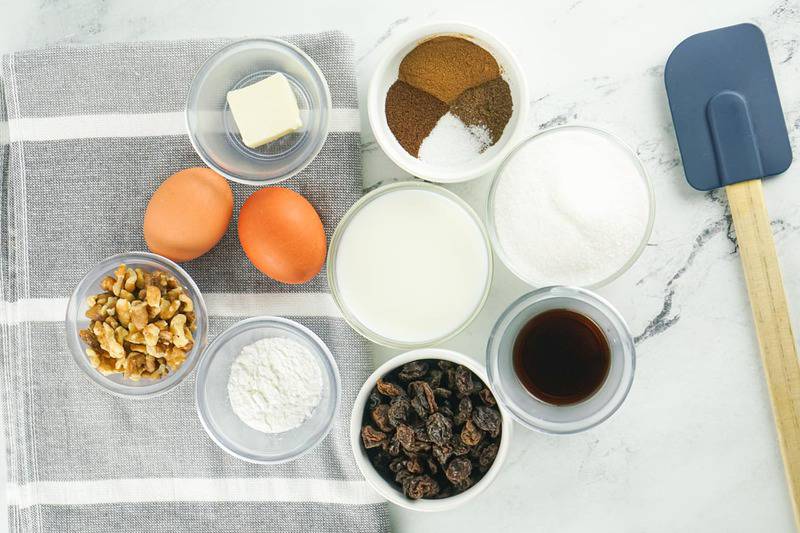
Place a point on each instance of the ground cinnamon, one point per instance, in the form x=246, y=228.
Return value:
x=447, y=66
x=411, y=114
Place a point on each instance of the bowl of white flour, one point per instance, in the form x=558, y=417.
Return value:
x=267, y=390
x=571, y=205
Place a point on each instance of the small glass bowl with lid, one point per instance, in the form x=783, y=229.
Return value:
x=529, y=410
x=478, y=256
x=613, y=143
x=76, y=320
x=213, y=131
x=224, y=426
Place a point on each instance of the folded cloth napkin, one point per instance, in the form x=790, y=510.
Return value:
x=91, y=132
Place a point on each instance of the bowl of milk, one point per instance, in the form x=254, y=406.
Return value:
x=410, y=265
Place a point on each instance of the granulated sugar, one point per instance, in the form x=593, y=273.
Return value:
x=570, y=208
x=451, y=141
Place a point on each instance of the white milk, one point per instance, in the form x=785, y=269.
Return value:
x=412, y=266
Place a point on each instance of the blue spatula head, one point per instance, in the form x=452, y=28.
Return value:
x=725, y=108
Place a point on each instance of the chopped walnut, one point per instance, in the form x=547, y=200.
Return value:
x=140, y=325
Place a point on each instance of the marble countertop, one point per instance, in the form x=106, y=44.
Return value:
x=693, y=448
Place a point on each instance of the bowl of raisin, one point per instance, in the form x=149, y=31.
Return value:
x=427, y=432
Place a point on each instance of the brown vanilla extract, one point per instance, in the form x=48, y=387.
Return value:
x=561, y=357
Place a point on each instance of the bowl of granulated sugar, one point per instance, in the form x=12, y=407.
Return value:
x=571, y=205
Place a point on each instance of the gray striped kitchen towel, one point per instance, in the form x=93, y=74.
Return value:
x=90, y=133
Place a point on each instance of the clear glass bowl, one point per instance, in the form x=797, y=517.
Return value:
x=341, y=301
x=562, y=419
x=76, y=320
x=223, y=425
x=213, y=131
x=490, y=218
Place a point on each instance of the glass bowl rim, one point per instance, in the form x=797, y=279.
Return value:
x=333, y=249
x=205, y=69
x=643, y=174
x=516, y=308
x=219, y=341
x=160, y=386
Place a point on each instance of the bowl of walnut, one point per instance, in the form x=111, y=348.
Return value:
x=136, y=324
x=426, y=431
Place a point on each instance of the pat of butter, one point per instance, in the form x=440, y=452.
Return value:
x=265, y=111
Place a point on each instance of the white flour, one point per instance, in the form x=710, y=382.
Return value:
x=452, y=141
x=570, y=208
x=275, y=384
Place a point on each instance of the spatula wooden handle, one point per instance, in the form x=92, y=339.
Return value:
x=771, y=316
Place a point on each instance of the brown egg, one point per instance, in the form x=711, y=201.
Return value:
x=188, y=214
x=282, y=235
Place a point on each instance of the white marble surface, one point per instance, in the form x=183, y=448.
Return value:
x=693, y=448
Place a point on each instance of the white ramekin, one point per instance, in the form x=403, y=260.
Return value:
x=385, y=75
x=390, y=491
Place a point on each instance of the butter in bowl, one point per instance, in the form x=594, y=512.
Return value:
x=258, y=111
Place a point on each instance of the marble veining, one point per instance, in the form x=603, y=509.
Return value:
x=693, y=447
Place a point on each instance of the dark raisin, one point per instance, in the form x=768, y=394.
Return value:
x=431, y=464
x=487, y=396
x=487, y=456
x=464, y=410
x=418, y=446
x=413, y=371
x=444, y=365
x=434, y=378
x=405, y=436
x=398, y=411
x=389, y=389
x=422, y=399
x=463, y=485
x=471, y=435
x=445, y=410
x=397, y=464
x=442, y=453
x=458, y=447
x=488, y=419
x=374, y=399
x=380, y=415
x=371, y=437
x=414, y=465
x=403, y=475
x=394, y=447
x=463, y=378
x=421, y=433
x=458, y=470
x=450, y=378
x=441, y=392
x=440, y=429
x=420, y=487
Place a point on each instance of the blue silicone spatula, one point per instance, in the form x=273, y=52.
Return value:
x=731, y=133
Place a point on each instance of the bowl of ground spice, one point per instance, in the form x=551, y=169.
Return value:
x=447, y=102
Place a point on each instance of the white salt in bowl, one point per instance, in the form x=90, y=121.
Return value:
x=386, y=74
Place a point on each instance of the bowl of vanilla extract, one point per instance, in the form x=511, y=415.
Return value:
x=561, y=360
